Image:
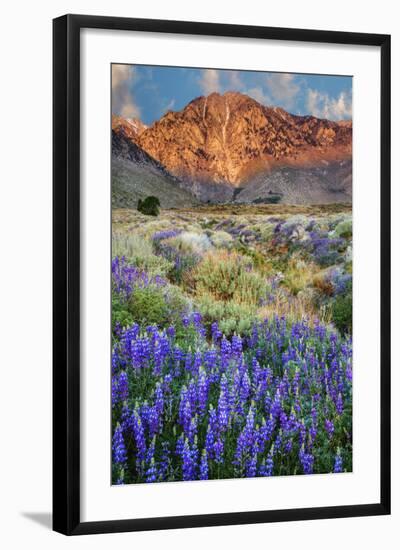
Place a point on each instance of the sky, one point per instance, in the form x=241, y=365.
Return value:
x=148, y=92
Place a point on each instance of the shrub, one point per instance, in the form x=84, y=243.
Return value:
x=344, y=229
x=139, y=251
x=120, y=313
x=180, y=256
x=228, y=276
x=298, y=275
x=147, y=306
x=342, y=313
x=189, y=241
x=154, y=305
x=221, y=239
x=231, y=316
x=150, y=206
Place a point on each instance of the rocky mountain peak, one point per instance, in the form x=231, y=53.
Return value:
x=227, y=138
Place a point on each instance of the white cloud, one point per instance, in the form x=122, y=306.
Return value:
x=283, y=89
x=259, y=95
x=234, y=81
x=209, y=81
x=322, y=105
x=122, y=99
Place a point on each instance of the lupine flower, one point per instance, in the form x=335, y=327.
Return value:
x=139, y=436
x=188, y=467
x=203, y=473
x=202, y=391
x=329, y=427
x=307, y=461
x=151, y=472
x=123, y=386
x=118, y=447
x=250, y=403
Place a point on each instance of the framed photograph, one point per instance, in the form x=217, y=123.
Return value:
x=221, y=274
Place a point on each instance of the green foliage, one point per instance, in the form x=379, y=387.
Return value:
x=139, y=250
x=231, y=316
x=154, y=305
x=148, y=307
x=344, y=229
x=120, y=313
x=229, y=277
x=150, y=206
x=342, y=313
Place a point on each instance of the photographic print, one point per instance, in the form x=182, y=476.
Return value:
x=231, y=274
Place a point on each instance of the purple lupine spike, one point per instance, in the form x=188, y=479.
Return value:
x=165, y=459
x=202, y=391
x=329, y=427
x=203, y=473
x=219, y=450
x=192, y=394
x=192, y=431
x=171, y=332
x=223, y=407
x=115, y=398
x=197, y=362
x=276, y=406
x=216, y=334
x=186, y=416
x=187, y=462
x=288, y=446
x=237, y=345
x=151, y=472
x=157, y=359
x=188, y=362
x=151, y=450
x=339, y=404
x=225, y=354
x=115, y=361
x=138, y=433
x=251, y=466
x=118, y=447
x=338, y=464
x=179, y=445
x=307, y=461
x=123, y=388
x=209, y=444
x=245, y=387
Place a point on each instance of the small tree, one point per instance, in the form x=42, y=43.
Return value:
x=150, y=206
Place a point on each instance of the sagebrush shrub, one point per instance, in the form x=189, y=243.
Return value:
x=228, y=276
x=342, y=313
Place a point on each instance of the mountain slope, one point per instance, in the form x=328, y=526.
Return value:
x=327, y=183
x=230, y=139
x=135, y=174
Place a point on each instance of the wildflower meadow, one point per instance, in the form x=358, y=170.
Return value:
x=231, y=343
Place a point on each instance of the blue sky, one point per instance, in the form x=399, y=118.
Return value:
x=148, y=92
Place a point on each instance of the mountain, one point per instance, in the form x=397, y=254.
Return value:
x=128, y=127
x=135, y=174
x=327, y=182
x=220, y=144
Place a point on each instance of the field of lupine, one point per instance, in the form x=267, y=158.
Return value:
x=231, y=343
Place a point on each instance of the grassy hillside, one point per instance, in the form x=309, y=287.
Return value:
x=131, y=182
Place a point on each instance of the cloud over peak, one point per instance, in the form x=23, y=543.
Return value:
x=209, y=81
x=123, y=76
x=322, y=105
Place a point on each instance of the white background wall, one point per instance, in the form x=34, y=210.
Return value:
x=25, y=289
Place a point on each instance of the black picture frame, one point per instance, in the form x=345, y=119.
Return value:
x=66, y=273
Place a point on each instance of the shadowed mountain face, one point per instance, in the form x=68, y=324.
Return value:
x=136, y=175
x=230, y=147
